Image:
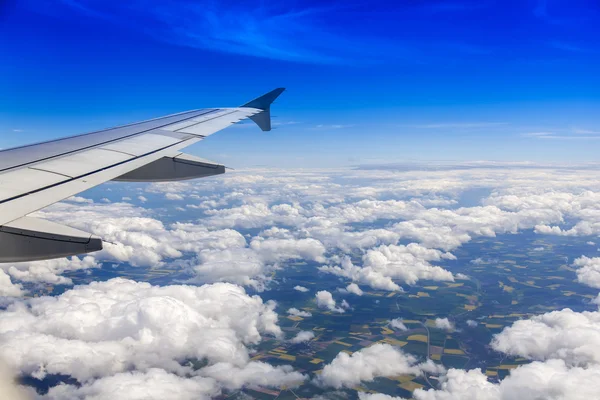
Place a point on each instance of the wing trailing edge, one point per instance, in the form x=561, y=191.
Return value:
x=180, y=167
x=30, y=239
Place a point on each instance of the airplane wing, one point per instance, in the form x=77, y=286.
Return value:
x=37, y=175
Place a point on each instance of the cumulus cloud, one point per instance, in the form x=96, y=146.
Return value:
x=329, y=221
x=563, y=346
x=538, y=380
x=299, y=313
x=238, y=265
x=379, y=360
x=154, y=384
x=8, y=288
x=471, y=323
x=324, y=215
x=107, y=328
x=49, y=271
x=376, y=396
x=588, y=271
x=444, y=323
x=303, y=336
x=398, y=324
x=79, y=199
x=272, y=249
x=234, y=377
x=300, y=288
x=135, y=238
x=325, y=300
x=353, y=288
x=388, y=262
x=568, y=335
x=173, y=196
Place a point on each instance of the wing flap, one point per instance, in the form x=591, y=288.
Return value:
x=177, y=168
x=29, y=239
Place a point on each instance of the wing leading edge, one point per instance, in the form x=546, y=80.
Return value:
x=35, y=176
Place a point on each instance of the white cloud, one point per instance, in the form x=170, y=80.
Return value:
x=444, y=323
x=154, y=384
x=79, y=199
x=333, y=126
x=376, y=396
x=398, y=324
x=272, y=249
x=8, y=288
x=471, y=323
x=331, y=220
x=325, y=300
x=234, y=377
x=49, y=271
x=568, y=335
x=300, y=288
x=174, y=196
x=588, y=272
x=299, y=313
x=388, y=262
x=379, y=360
x=353, y=288
x=106, y=328
x=142, y=199
x=221, y=255
x=241, y=266
x=551, y=380
x=303, y=336
x=323, y=212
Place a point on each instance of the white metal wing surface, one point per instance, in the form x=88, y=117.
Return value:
x=35, y=176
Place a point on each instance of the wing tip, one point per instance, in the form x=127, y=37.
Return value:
x=263, y=119
x=264, y=102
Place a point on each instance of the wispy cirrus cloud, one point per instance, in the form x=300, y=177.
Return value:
x=327, y=33
x=459, y=125
x=574, y=134
x=569, y=47
x=334, y=126
x=275, y=30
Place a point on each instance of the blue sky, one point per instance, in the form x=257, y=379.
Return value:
x=368, y=82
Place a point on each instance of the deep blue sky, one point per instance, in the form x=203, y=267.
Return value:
x=367, y=81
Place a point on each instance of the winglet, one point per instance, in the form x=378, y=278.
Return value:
x=263, y=119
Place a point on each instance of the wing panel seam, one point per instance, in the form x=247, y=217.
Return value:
x=93, y=146
x=200, y=123
x=50, y=172
x=89, y=173
x=118, y=151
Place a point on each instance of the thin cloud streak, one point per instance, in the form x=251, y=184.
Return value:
x=278, y=30
x=460, y=125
